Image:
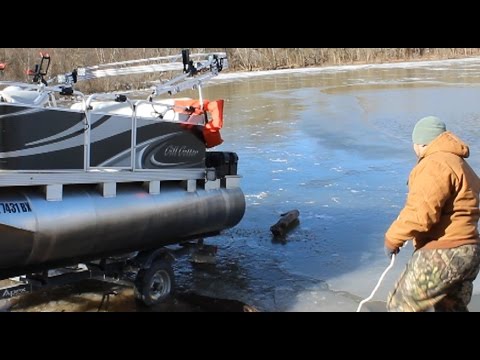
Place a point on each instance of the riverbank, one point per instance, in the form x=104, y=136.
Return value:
x=336, y=68
x=18, y=60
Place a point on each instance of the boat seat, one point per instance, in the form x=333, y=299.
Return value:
x=17, y=95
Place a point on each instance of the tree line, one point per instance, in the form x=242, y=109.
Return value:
x=18, y=60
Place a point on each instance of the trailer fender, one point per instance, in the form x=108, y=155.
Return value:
x=146, y=258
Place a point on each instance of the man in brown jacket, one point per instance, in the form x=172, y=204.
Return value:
x=441, y=216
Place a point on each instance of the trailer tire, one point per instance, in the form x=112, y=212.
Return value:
x=155, y=284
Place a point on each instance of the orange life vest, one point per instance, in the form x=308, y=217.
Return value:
x=211, y=130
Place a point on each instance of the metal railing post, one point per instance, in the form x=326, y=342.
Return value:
x=87, y=134
x=133, y=152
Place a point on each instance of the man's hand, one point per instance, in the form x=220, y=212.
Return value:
x=390, y=252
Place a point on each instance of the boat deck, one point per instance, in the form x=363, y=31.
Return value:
x=93, y=176
x=107, y=180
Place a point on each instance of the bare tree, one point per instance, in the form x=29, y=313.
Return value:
x=241, y=59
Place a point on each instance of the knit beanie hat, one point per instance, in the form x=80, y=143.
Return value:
x=427, y=129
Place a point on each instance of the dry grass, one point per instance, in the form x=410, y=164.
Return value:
x=240, y=59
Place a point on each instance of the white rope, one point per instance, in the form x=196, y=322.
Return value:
x=378, y=284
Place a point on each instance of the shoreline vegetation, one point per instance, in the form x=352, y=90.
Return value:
x=18, y=60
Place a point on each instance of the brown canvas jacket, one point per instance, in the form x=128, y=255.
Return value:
x=442, y=207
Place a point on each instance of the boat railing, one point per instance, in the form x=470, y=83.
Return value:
x=195, y=75
x=86, y=107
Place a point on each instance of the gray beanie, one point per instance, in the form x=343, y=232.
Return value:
x=427, y=129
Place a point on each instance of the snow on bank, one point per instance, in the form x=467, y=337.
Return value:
x=403, y=65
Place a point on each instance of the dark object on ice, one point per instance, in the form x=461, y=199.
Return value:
x=287, y=221
x=209, y=304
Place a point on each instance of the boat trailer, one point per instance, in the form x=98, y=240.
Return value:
x=149, y=272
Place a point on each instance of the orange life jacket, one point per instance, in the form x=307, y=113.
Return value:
x=211, y=130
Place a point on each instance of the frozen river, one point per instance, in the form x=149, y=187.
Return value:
x=335, y=144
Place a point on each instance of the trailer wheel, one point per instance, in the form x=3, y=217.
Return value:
x=155, y=284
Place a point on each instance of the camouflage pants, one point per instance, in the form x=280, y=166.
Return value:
x=440, y=279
